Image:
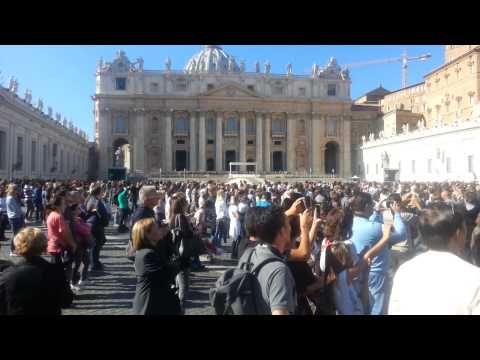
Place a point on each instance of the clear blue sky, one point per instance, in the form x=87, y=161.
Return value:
x=64, y=75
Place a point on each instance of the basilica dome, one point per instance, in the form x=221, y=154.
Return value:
x=212, y=59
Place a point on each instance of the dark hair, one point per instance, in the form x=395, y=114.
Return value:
x=333, y=224
x=54, y=204
x=251, y=220
x=438, y=223
x=269, y=223
x=361, y=201
x=294, y=226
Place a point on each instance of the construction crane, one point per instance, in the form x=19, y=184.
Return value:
x=404, y=59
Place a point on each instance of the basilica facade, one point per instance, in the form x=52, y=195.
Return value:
x=35, y=143
x=215, y=111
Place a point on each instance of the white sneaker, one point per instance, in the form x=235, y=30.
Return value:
x=13, y=254
x=83, y=282
x=75, y=288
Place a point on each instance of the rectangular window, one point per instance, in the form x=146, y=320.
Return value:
x=331, y=127
x=33, y=157
x=429, y=166
x=210, y=87
x=3, y=150
x=251, y=126
x=413, y=166
x=181, y=85
x=471, y=168
x=180, y=142
x=210, y=142
x=332, y=90
x=250, y=142
x=302, y=91
x=211, y=126
x=278, y=126
x=45, y=157
x=181, y=126
x=19, y=153
x=449, y=165
x=154, y=87
x=277, y=143
x=61, y=161
x=121, y=126
x=121, y=83
x=251, y=87
x=277, y=90
x=231, y=126
x=55, y=150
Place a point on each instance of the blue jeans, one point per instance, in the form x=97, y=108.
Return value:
x=16, y=224
x=378, y=287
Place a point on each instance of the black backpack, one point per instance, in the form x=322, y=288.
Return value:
x=234, y=292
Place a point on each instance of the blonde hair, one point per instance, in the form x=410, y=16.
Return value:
x=11, y=188
x=30, y=242
x=139, y=233
x=145, y=192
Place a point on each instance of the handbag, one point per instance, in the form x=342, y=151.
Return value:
x=130, y=252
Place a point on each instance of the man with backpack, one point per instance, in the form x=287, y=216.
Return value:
x=262, y=284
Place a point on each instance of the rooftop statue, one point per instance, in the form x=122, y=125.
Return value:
x=168, y=64
x=257, y=67
x=267, y=67
x=289, y=69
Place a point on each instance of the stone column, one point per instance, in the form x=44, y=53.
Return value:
x=268, y=142
x=202, y=141
x=193, y=141
x=291, y=132
x=259, y=142
x=219, y=143
x=103, y=115
x=346, y=165
x=139, y=146
x=243, y=140
x=168, y=141
x=317, y=136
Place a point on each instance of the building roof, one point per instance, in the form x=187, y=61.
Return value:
x=476, y=49
x=377, y=92
x=405, y=88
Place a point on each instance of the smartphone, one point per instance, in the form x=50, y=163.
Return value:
x=307, y=202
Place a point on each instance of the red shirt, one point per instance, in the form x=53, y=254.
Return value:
x=57, y=228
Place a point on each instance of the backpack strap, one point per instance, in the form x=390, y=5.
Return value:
x=256, y=270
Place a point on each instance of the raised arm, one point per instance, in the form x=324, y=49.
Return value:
x=400, y=228
x=302, y=253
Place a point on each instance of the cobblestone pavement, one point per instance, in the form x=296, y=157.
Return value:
x=111, y=292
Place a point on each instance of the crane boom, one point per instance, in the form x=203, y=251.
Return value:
x=404, y=59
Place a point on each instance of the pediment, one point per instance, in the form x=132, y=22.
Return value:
x=231, y=90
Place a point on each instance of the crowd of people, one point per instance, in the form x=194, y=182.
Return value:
x=313, y=248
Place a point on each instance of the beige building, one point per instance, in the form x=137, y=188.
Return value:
x=215, y=111
x=449, y=93
x=34, y=144
x=430, y=130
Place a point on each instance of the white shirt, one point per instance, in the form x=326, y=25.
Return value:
x=436, y=283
